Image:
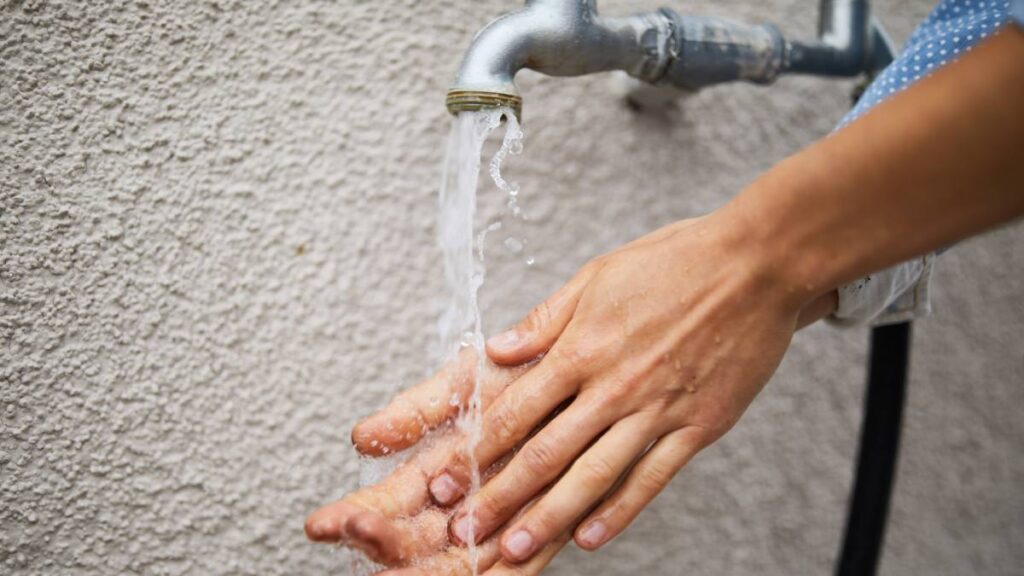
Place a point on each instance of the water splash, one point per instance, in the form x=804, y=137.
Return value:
x=460, y=325
x=463, y=250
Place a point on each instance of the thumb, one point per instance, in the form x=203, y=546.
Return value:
x=537, y=333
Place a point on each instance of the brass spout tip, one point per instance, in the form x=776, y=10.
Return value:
x=471, y=100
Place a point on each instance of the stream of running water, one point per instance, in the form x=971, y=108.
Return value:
x=461, y=240
x=463, y=249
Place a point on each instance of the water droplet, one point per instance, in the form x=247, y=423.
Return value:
x=514, y=245
x=434, y=401
x=454, y=400
x=530, y=261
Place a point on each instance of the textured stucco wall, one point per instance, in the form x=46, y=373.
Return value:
x=217, y=251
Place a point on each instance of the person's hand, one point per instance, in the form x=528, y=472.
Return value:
x=659, y=347
x=394, y=522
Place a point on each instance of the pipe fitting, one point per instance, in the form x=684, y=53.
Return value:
x=557, y=38
x=707, y=51
x=570, y=38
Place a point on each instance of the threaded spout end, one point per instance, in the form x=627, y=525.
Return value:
x=472, y=100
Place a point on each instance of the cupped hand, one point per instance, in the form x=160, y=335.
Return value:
x=658, y=348
x=394, y=522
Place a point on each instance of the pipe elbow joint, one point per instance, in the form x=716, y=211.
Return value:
x=486, y=77
x=556, y=38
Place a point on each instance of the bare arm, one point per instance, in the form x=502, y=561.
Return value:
x=933, y=165
x=654, y=351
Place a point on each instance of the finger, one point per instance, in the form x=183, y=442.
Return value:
x=535, y=466
x=589, y=479
x=454, y=561
x=416, y=411
x=401, y=493
x=649, y=477
x=536, y=333
x=328, y=523
x=397, y=542
x=536, y=564
x=510, y=419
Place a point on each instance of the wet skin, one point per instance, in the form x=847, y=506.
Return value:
x=395, y=522
x=405, y=521
x=654, y=351
x=659, y=347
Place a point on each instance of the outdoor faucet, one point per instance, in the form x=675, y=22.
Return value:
x=663, y=47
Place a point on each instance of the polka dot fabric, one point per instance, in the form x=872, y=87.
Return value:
x=952, y=29
x=900, y=293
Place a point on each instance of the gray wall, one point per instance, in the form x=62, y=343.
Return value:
x=217, y=251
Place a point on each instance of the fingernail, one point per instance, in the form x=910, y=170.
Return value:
x=460, y=528
x=505, y=340
x=593, y=534
x=444, y=489
x=519, y=544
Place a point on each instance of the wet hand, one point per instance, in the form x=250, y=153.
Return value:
x=395, y=522
x=657, y=348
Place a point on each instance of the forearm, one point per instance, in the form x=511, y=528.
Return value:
x=935, y=164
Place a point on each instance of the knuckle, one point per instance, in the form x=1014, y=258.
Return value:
x=622, y=387
x=543, y=520
x=539, y=458
x=538, y=318
x=493, y=507
x=457, y=466
x=506, y=426
x=654, y=477
x=567, y=363
x=597, y=471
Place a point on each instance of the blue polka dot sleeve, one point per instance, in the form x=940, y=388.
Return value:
x=900, y=293
x=952, y=29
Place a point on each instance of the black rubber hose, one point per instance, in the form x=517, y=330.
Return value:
x=879, y=448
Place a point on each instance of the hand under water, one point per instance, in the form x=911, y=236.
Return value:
x=612, y=345
x=395, y=522
x=658, y=348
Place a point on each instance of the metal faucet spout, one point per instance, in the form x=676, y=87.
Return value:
x=557, y=38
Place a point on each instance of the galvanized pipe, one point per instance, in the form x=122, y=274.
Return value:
x=570, y=38
x=844, y=41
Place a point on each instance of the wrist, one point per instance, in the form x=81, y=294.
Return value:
x=771, y=237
